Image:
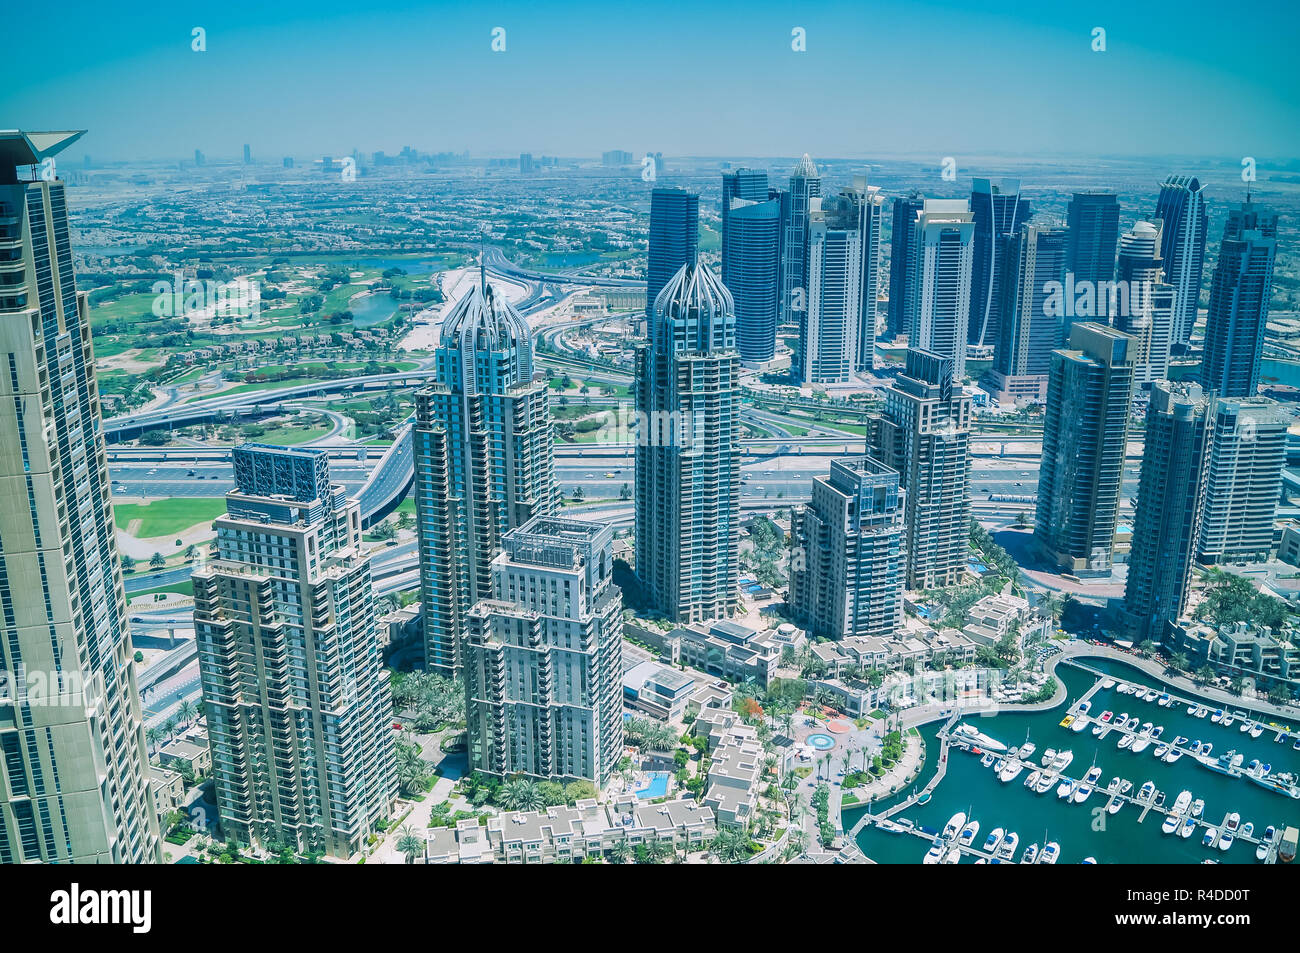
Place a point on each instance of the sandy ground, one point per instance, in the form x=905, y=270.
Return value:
x=142, y=549
x=127, y=361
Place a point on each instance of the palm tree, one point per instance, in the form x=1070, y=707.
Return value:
x=152, y=736
x=157, y=561
x=521, y=794
x=186, y=711
x=170, y=726
x=730, y=845
x=621, y=852
x=409, y=843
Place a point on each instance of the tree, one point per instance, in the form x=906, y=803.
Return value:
x=157, y=561
x=1204, y=675
x=190, y=552
x=621, y=852
x=522, y=794
x=187, y=711
x=731, y=845
x=1146, y=647
x=152, y=737
x=128, y=563
x=409, y=843
x=1178, y=661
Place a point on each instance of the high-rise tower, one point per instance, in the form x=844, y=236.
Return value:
x=483, y=461
x=1239, y=302
x=1170, y=494
x=687, y=454
x=674, y=238
x=544, y=657
x=299, y=713
x=1093, y=222
x=828, y=337
x=805, y=185
x=924, y=435
x=1029, y=329
x=74, y=767
x=902, y=244
x=751, y=260
x=1143, y=303
x=1085, y=434
x=939, y=282
x=997, y=211
x=1181, y=206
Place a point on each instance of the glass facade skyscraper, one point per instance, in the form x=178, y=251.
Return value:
x=939, y=280
x=805, y=185
x=997, y=211
x=1239, y=302
x=1093, y=223
x=1028, y=329
x=1181, y=207
x=751, y=260
x=674, y=238
x=902, y=245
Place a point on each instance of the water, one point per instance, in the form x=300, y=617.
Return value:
x=658, y=786
x=973, y=789
x=371, y=309
x=1284, y=372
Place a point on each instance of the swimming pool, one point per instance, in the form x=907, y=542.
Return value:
x=658, y=786
x=821, y=742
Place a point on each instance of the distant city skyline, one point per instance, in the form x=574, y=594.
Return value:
x=329, y=77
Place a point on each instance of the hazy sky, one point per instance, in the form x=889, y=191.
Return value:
x=305, y=78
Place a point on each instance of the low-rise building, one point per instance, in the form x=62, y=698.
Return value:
x=729, y=650
x=198, y=755
x=1240, y=649
x=658, y=690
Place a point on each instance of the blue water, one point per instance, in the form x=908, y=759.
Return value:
x=658, y=786
x=371, y=309
x=821, y=742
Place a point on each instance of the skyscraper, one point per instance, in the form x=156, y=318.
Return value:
x=1239, y=300
x=751, y=260
x=483, y=461
x=871, y=205
x=1181, y=206
x=1029, y=330
x=299, y=714
x=924, y=435
x=1093, y=222
x=805, y=185
x=1143, y=304
x=997, y=211
x=1085, y=434
x=939, y=281
x=1170, y=494
x=674, y=238
x=828, y=338
x=74, y=767
x=544, y=657
x=849, y=560
x=687, y=455
x=902, y=244
x=1243, y=479
x=248, y=153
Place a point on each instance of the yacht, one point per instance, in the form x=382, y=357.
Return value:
x=1191, y=709
x=1182, y=803
x=1188, y=828
x=1248, y=829
x=1141, y=743
x=1027, y=751
x=1032, y=779
x=1007, y=849
x=1051, y=853
x=1125, y=786
x=1171, y=823
x=1124, y=689
x=1159, y=751
x=1160, y=799
x=1114, y=785
x=1261, y=852
x=1098, y=727
x=1148, y=789
x=1254, y=767
x=1030, y=855
x=993, y=840
x=1132, y=723
x=1256, y=730
x=1048, y=757
x=1151, y=695
x=1217, y=717
x=1233, y=822
x=998, y=765
x=1126, y=741
x=1045, y=782
x=1225, y=840
x=1196, y=746
x=1088, y=860
x=1084, y=708
x=1164, y=701
x=1227, y=721
x=1147, y=727
x=1011, y=771
x=1080, y=724
x=1202, y=711
x=1157, y=731
x=954, y=825
x=968, y=834
x=1179, y=740
x=1209, y=746
x=1296, y=746
x=953, y=856
x=987, y=760
x=1211, y=837
x=1087, y=785
x=1066, y=789
x=1108, y=683
x=1173, y=755
x=1063, y=759
x=1114, y=804
x=1121, y=720
x=1246, y=726
x=935, y=852
x=1197, y=807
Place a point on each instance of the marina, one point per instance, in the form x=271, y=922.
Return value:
x=1177, y=807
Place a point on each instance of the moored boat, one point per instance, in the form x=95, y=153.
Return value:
x=1007, y=849
x=1032, y=779
x=1051, y=853
x=1030, y=855
x=955, y=824
x=968, y=834
x=1188, y=828
x=993, y=840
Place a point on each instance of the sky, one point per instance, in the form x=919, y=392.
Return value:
x=916, y=78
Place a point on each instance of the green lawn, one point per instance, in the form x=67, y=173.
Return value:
x=169, y=516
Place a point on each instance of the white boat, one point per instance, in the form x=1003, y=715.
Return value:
x=1182, y=803
x=1032, y=779
x=1048, y=757
x=1150, y=695
x=1114, y=804
x=987, y=760
x=1051, y=853
x=1141, y=744
x=1147, y=791
x=1062, y=760
x=1188, y=828
x=1261, y=852
x=1246, y=726
x=1132, y=723
x=1113, y=787
x=934, y=854
x=1196, y=746
x=1202, y=711
x=1087, y=785
x=1225, y=840
x=1159, y=751
x=1197, y=807
x=1171, y=824
x=1164, y=701
x=1098, y=727
x=1217, y=717
x=1007, y=849
x=953, y=856
x=1191, y=709
x=993, y=840
x=1011, y=771
x=1121, y=720
x=1080, y=723
x=968, y=834
x=1084, y=708
x=1173, y=755
x=1126, y=786
x=1030, y=855
x=1045, y=782
x=1211, y=837
x=1065, y=789
x=1248, y=829
x=1088, y=860
x=1124, y=689
x=1209, y=746
x=1256, y=730
x=1233, y=822
x=1147, y=727
x=1126, y=741
x=1227, y=721
x=954, y=825
x=1027, y=751
x=1157, y=731
x=1108, y=683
